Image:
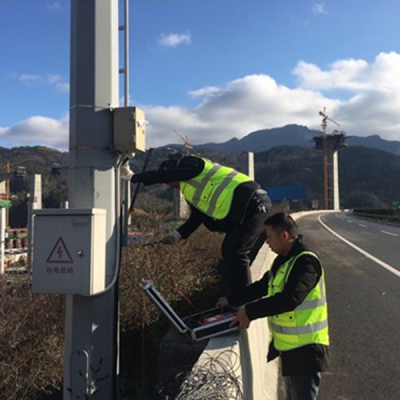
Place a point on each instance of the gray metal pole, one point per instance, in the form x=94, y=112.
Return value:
x=126, y=185
x=126, y=51
x=91, y=356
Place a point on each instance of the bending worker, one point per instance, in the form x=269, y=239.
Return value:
x=292, y=295
x=221, y=199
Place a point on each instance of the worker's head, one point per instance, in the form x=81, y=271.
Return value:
x=281, y=231
x=171, y=162
x=169, y=165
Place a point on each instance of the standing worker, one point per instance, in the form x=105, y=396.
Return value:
x=223, y=200
x=295, y=305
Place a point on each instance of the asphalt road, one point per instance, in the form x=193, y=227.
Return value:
x=363, y=289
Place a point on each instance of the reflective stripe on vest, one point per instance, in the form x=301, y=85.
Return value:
x=299, y=330
x=212, y=190
x=308, y=322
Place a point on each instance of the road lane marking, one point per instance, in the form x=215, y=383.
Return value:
x=390, y=233
x=370, y=256
x=350, y=222
x=364, y=226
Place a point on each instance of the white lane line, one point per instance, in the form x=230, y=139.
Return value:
x=350, y=222
x=364, y=226
x=390, y=233
x=370, y=256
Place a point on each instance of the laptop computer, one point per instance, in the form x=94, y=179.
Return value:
x=200, y=326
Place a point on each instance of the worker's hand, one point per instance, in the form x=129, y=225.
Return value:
x=172, y=238
x=241, y=319
x=222, y=303
x=126, y=172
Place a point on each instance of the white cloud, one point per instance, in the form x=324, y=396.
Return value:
x=38, y=130
x=370, y=106
x=343, y=74
x=53, y=80
x=242, y=106
x=54, y=6
x=319, y=8
x=207, y=91
x=174, y=39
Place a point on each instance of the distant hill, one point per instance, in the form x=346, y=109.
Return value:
x=368, y=177
x=293, y=135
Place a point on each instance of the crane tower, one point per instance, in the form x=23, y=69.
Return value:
x=330, y=144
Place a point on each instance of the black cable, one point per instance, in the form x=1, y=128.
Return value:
x=138, y=184
x=217, y=378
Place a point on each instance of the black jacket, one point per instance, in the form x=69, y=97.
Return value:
x=187, y=168
x=303, y=278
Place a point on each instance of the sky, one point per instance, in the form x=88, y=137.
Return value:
x=213, y=70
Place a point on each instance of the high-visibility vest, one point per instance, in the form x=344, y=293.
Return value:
x=308, y=322
x=211, y=191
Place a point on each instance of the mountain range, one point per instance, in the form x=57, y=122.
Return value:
x=293, y=135
x=369, y=168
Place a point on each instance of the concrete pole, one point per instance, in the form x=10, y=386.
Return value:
x=250, y=165
x=335, y=167
x=2, y=239
x=181, y=208
x=91, y=329
x=35, y=203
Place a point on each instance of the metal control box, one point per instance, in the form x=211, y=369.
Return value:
x=69, y=251
x=129, y=130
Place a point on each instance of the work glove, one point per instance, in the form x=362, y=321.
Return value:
x=126, y=172
x=172, y=238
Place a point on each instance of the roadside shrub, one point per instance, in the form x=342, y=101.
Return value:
x=31, y=340
x=32, y=326
x=185, y=275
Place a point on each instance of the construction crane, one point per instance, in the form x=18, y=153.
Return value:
x=325, y=118
x=324, y=125
x=186, y=144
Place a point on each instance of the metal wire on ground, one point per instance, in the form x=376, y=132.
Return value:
x=214, y=379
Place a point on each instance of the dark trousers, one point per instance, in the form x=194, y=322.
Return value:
x=302, y=387
x=239, y=249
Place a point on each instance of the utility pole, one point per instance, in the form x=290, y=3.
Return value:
x=91, y=330
x=126, y=185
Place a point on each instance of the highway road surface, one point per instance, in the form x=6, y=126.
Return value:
x=362, y=265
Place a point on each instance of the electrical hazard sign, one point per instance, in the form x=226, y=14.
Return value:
x=60, y=253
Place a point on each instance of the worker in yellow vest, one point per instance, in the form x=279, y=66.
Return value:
x=292, y=295
x=223, y=200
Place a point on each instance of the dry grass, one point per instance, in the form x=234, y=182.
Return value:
x=31, y=335
x=32, y=326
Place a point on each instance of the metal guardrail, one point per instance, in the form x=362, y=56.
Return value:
x=381, y=217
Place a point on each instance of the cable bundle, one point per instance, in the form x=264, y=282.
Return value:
x=215, y=379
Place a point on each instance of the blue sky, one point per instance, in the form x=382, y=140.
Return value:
x=213, y=69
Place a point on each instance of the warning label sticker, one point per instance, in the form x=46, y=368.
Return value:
x=59, y=254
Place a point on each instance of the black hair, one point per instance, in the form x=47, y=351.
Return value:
x=175, y=156
x=283, y=222
x=168, y=164
x=171, y=162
